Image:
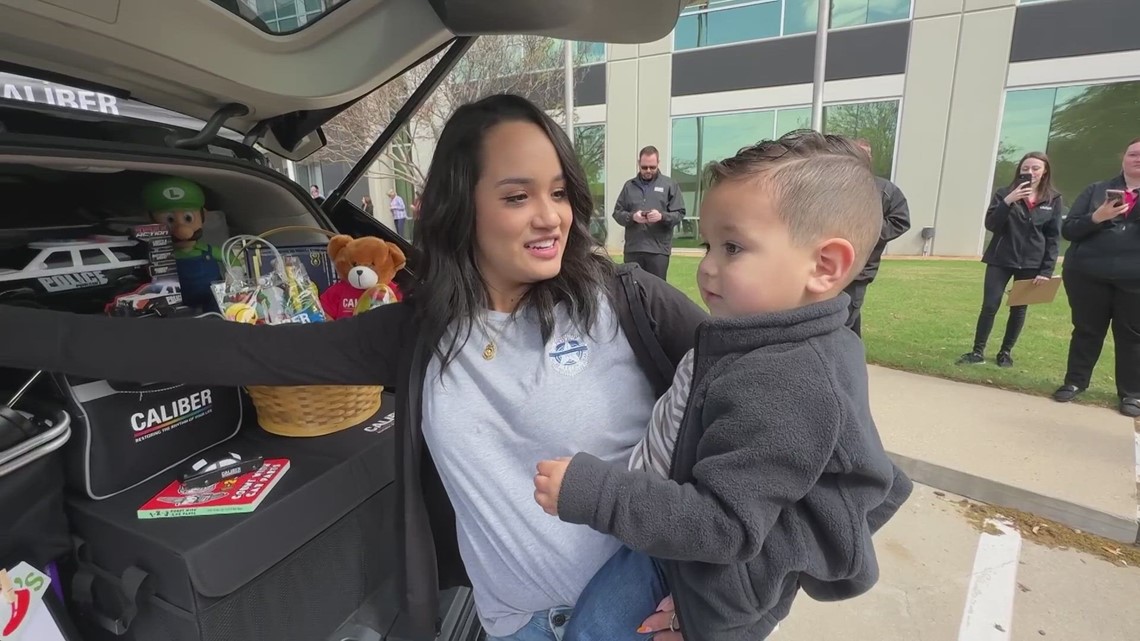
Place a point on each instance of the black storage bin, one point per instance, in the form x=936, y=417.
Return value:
x=33, y=526
x=319, y=546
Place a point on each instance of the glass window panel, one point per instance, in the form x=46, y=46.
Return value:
x=697, y=7
x=686, y=162
x=269, y=15
x=685, y=36
x=800, y=16
x=884, y=10
x=848, y=13
x=875, y=121
x=285, y=9
x=590, y=52
x=738, y=25
x=1024, y=128
x=751, y=22
x=723, y=136
x=792, y=119
x=1089, y=130
x=590, y=145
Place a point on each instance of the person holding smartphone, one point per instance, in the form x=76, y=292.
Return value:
x=1025, y=219
x=1102, y=281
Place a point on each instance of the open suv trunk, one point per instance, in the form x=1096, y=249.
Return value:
x=240, y=84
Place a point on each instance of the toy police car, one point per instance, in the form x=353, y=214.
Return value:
x=205, y=472
x=66, y=266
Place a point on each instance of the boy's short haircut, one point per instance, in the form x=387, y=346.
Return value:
x=822, y=186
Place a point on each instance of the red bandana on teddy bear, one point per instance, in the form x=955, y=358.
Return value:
x=366, y=267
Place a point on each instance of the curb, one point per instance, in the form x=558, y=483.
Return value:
x=1111, y=526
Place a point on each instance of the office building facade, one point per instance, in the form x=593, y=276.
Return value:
x=951, y=93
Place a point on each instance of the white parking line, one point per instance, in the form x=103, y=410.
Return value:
x=988, y=615
x=1136, y=441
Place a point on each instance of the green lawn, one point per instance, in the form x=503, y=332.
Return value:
x=919, y=316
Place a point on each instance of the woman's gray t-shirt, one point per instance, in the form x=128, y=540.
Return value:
x=488, y=423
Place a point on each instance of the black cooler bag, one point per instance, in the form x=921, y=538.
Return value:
x=320, y=545
x=33, y=526
x=126, y=433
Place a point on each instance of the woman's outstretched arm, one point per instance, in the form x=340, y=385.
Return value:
x=360, y=350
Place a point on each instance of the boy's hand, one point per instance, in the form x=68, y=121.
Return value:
x=548, y=482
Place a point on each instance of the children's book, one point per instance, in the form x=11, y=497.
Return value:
x=234, y=495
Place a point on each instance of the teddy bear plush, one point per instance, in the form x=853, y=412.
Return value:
x=366, y=267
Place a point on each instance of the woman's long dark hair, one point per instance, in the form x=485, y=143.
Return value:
x=452, y=288
x=1045, y=188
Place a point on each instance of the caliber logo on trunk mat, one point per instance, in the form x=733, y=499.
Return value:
x=163, y=418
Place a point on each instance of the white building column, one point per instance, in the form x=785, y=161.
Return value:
x=951, y=119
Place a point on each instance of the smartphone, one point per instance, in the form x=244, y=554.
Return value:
x=1115, y=196
x=1024, y=178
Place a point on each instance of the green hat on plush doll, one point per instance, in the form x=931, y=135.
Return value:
x=173, y=194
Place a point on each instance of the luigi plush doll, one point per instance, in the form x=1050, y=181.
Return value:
x=181, y=205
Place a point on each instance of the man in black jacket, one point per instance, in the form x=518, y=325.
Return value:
x=649, y=207
x=896, y=222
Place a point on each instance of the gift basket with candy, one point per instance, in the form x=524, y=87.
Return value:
x=285, y=293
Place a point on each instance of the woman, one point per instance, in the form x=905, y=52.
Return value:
x=366, y=205
x=517, y=340
x=1102, y=280
x=1025, y=219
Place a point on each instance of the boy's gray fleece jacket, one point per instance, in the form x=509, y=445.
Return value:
x=778, y=479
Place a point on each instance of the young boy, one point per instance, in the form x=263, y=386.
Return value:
x=761, y=471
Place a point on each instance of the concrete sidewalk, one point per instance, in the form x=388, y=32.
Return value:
x=1073, y=464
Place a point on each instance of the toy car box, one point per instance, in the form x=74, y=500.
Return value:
x=294, y=569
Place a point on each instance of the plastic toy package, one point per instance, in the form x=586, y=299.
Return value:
x=284, y=295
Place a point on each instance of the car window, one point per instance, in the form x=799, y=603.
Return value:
x=59, y=259
x=280, y=16
x=94, y=257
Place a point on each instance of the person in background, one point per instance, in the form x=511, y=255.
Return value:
x=1025, y=219
x=649, y=206
x=315, y=192
x=366, y=205
x=896, y=222
x=1102, y=281
x=399, y=211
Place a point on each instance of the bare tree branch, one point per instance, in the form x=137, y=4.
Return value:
x=529, y=66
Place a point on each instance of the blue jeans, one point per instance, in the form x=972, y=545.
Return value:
x=618, y=599
x=543, y=626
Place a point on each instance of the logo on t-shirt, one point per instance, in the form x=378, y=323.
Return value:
x=569, y=355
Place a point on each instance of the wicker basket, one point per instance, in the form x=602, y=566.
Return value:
x=312, y=410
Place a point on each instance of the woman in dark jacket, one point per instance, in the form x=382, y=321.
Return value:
x=1025, y=219
x=1102, y=280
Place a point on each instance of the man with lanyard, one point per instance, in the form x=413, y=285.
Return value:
x=896, y=222
x=649, y=207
